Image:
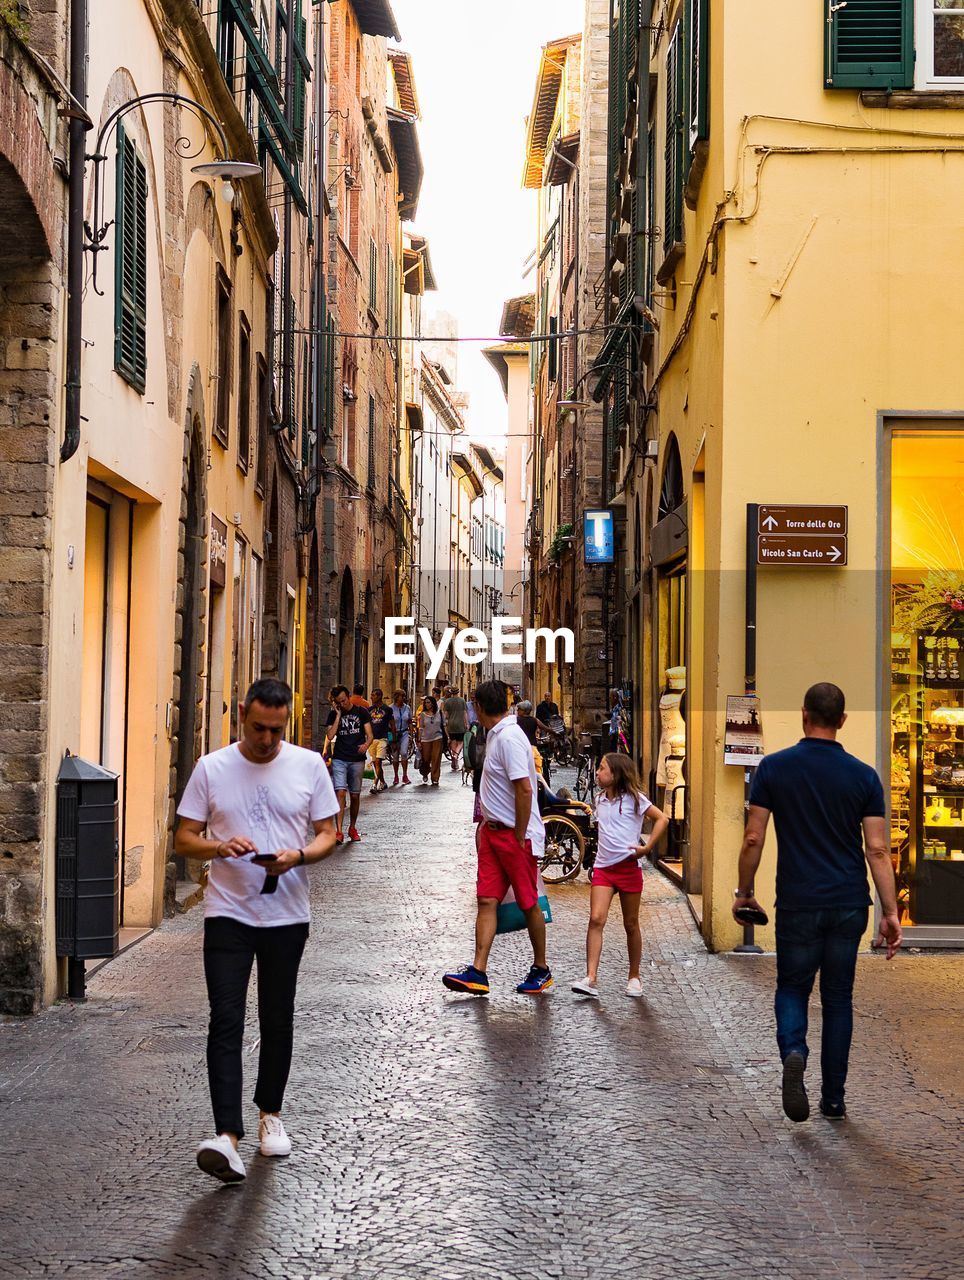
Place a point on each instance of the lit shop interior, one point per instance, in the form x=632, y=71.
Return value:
x=927, y=675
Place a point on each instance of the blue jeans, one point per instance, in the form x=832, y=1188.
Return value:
x=826, y=940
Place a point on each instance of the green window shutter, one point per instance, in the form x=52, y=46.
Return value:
x=328, y=426
x=306, y=424
x=673, y=217
x=300, y=90
x=651, y=222
x=371, y=443
x=130, y=265
x=869, y=44
x=698, y=64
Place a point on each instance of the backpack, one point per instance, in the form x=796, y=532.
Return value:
x=475, y=747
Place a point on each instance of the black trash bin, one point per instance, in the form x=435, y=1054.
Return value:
x=88, y=881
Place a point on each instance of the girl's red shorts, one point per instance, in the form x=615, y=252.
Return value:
x=625, y=876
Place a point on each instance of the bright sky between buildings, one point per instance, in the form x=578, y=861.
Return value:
x=475, y=69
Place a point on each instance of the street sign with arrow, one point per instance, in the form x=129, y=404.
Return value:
x=811, y=537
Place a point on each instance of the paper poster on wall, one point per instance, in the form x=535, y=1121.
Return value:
x=743, y=741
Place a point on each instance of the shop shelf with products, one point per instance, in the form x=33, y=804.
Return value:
x=934, y=854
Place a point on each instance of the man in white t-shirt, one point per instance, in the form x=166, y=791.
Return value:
x=268, y=809
x=511, y=842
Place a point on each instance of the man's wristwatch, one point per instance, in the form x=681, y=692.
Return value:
x=744, y=897
x=302, y=860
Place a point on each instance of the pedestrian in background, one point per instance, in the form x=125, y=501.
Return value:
x=510, y=841
x=260, y=798
x=383, y=723
x=454, y=715
x=401, y=735
x=358, y=698
x=621, y=810
x=349, y=730
x=429, y=731
x=828, y=810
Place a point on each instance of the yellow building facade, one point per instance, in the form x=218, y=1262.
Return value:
x=797, y=349
x=158, y=544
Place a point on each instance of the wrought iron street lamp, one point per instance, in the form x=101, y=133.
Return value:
x=226, y=169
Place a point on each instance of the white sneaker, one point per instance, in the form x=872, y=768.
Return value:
x=218, y=1157
x=634, y=988
x=585, y=988
x=271, y=1134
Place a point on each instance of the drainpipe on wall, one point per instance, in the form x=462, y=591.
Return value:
x=75, y=227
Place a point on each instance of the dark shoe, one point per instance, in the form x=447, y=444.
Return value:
x=833, y=1110
x=796, y=1104
x=470, y=981
x=535, y=982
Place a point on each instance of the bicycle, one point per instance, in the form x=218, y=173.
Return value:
x=586, y=760
x=570, y=838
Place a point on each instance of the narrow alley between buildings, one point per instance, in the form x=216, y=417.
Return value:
x=446, y=1138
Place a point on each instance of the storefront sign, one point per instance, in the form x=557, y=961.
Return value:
x=743, y=740
x=812, y=551
x=219, y=551
x=598, y=537
x=802, y=520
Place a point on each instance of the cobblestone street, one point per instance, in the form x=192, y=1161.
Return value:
x=441, y=1137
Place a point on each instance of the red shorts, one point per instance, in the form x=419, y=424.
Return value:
x=502, y=863
x=625, y=876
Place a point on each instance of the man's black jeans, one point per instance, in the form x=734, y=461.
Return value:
x=230, y=949
x=827, y=940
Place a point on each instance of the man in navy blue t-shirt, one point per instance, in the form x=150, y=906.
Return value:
x=828, y=810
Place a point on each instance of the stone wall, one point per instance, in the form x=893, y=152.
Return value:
x=31, y=375
x=591, y=696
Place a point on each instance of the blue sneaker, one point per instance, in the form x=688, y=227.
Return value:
x=535, y=982
x=469, y=980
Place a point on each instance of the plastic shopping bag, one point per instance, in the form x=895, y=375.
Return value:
x=509, y=915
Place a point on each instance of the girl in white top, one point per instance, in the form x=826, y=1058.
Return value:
x=621, y=809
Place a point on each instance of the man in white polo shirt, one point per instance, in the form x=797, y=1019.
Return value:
x=268, y=809
x=511, y=842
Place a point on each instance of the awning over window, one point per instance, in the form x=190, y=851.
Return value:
x=519, y=317
x=463, y=468
x=375, y=18
x=408, y=155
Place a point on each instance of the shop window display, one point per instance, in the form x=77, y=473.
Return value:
x=927, y=677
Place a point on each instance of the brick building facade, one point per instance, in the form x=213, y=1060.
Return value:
x=374, y=178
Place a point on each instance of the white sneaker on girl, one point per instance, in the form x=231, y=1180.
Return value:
x=585, y=988
x=634, y=988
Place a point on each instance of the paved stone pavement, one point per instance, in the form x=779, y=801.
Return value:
x=452, y=1139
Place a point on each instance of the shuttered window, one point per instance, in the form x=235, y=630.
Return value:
x=130, y=267
x=675, y=125
x=371, y=443
x=869, y=44
x=698, y=48
x=298, y=106
x=328, y=423
x=373, y=277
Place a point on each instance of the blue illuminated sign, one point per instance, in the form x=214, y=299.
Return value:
x=598, y=539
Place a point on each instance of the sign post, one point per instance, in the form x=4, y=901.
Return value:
x=748, y=946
